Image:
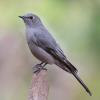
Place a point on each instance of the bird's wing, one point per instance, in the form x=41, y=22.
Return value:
x=48, y=43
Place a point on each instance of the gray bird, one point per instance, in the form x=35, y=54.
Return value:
x=44, y=47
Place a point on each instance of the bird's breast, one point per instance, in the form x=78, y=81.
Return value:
x=41, y=54
x=37, y=51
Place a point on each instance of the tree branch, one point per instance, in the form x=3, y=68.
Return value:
x=39, y=86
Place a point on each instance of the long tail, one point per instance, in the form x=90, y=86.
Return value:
x=71, y=69
x=82, y=83
x=74, y=71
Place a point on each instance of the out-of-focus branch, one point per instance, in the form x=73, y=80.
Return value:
x=39, y=86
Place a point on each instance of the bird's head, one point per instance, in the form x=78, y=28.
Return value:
x=30, y=19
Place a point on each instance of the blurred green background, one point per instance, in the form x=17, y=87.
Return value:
x=76, y=26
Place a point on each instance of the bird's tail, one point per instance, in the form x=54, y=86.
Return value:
x=71, y=69
x=74, y=71
x=82, y=83
x=67, y=66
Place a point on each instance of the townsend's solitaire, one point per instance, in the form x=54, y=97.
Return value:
x=44, y=47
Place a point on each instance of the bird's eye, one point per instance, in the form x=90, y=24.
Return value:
x=31, y=17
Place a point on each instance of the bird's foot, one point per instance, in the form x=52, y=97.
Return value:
x=37, y=68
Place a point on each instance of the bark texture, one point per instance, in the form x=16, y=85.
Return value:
x=39, y=86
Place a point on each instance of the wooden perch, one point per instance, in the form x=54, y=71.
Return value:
x=39, y=86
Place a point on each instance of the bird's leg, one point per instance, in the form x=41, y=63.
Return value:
x=39, y=65
x=43, y=66
x=37, y=68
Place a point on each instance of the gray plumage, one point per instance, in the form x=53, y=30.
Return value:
x=44, y=47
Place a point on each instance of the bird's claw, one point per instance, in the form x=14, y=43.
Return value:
x=37, y=68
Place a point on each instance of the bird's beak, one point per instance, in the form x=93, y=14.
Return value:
x=21, y=17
